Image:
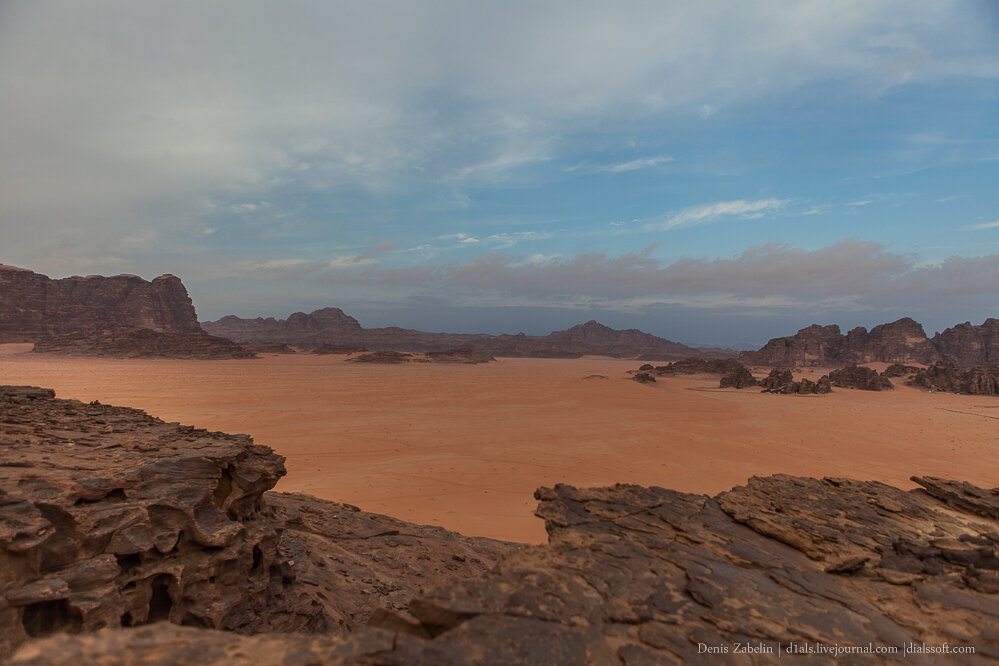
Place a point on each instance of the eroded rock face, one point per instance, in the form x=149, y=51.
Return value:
x=859, y=377
x=649, y=576
x=110, y=518
x=949, y=376
x=969, y=345
x=143, y=343
x=34, y=307
x=739, y=377
x=899, y=342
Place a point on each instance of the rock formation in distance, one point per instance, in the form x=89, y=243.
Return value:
x=901, y=341
x=34, y=306
x=332, y=327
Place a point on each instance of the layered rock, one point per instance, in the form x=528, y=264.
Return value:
x=636, y=575
x=111, y=518
x=143, y=343
x=34, y=306
x=331, y=327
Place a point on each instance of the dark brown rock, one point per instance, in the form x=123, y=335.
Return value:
x=651, y=576
x=34, y=307
x=969, y=345
x=644, y=378
x=950, y=377
x=143, y=343
x=778, y=378
x=900, y=342
x=860, y=377
x=739, y=377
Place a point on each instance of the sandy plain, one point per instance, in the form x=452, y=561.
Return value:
x=464, y=447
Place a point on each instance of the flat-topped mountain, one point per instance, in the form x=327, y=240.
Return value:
x=901, y=341
x=34, y=306
x=121, y=316
x=331, y=326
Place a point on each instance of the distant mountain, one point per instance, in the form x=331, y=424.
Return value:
x=34, y=306
x=901, y=341
x=331, y=326
x=119, y=316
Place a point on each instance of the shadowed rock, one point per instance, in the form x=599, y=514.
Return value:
x=34, y=307
x=739, y=377
x=143, y=343
x=859, y=377
x=948, y=376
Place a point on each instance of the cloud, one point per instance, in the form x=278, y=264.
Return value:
x=747, y=210
x=861, y=202
x=847, y=275
x=986, y=225
x=632, y=165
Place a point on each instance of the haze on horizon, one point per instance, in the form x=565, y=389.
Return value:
x=714, y=174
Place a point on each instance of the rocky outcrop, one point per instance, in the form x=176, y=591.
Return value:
x=34, y=307
x=267, y=347
x=739, y=377
x=332, y=327
x=644, y=378
x=900, y=342
x=143, y=343
x=777, y=378
x=859, y=377
x=831, y=568
x=112, y=518
x=781, y=381
x=466, y=356
x=949, y=376
x=969, y=345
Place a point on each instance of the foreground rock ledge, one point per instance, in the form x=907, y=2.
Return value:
x=631, y=575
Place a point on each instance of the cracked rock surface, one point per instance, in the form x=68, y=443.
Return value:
x=631, y=575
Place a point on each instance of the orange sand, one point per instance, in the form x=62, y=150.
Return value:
x=465, y=446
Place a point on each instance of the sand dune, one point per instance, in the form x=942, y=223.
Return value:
x=465, y=446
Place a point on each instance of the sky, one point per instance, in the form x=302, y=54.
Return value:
x=716, y=173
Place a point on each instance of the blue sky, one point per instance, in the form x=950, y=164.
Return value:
x=717, y=174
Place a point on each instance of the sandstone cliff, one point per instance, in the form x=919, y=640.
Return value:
x=33, y=306
x=109, y=518
x=331, y=327
x=902, y=341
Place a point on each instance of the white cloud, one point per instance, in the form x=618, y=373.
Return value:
x=861, y=202
x=986, y=225
x=747, y=210
x=633, y=165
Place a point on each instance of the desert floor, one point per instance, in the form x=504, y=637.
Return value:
x=465, y=446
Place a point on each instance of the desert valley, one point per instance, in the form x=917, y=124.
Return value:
x=460, y=439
